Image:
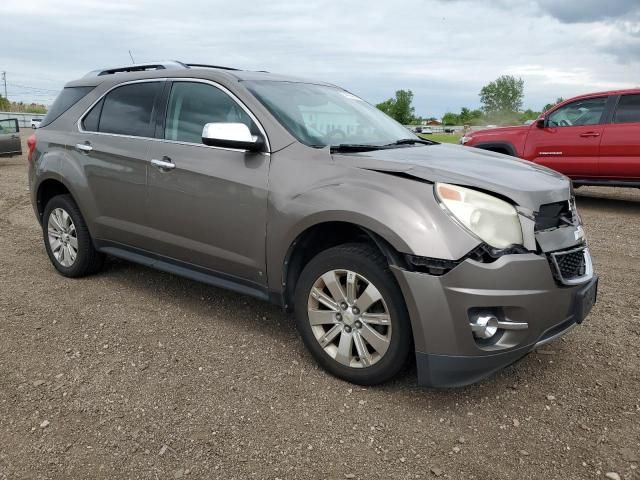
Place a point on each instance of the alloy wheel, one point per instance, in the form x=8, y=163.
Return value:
x=63, y=238
x=349, y=318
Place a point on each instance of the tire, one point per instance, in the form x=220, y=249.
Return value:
x=364, y=364
x=87, y=259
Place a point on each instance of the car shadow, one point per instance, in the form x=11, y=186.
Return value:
x=271, y=321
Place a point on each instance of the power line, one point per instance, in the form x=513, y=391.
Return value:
x=32, y=88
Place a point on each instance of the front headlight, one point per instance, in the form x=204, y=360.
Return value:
x=493, y=220
x=464, y=139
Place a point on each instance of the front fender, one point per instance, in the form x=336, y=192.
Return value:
x=402, y=211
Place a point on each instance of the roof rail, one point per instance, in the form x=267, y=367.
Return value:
x=202, y=65
x=139, y=67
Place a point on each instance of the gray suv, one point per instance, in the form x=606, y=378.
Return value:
x=387, y=247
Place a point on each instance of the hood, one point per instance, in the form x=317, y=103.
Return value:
x=525, y=183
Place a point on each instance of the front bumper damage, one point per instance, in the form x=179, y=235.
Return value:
x=519, y=288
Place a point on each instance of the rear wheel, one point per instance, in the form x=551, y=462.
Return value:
x=351, y=314
x=67, y=239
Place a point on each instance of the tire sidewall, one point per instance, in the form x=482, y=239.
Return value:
x=84, y=240
x=396, y=356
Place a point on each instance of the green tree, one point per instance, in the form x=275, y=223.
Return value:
x=451, y=118
x=470, y=117
x=465, y=115
x=528, y=115
x=504, y=95
x=5, y=105
x=400, y=108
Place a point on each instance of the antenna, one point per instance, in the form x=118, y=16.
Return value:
x=132, y=60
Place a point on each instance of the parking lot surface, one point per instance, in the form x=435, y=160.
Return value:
x=133, y=373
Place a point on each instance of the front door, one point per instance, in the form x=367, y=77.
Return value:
x=570, y=140
x=9, y=137
x=208, y=205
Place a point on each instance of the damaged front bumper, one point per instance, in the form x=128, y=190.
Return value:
x=520, y=290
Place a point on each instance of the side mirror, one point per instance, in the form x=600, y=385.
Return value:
x=231, y=135
x=541, y=122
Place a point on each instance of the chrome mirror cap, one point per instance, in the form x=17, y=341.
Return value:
x=237, y=132
x=231, y=135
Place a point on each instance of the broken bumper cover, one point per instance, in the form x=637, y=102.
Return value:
x=519, y=289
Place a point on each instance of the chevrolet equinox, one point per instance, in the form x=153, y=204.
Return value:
x=385, y=246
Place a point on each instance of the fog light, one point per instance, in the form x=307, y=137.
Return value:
x=484, y=326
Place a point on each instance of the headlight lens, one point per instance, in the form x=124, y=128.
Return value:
x=464, y=139
x=493, y=220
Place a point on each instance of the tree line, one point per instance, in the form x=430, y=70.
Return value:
x=501, y=102
x=21, y=107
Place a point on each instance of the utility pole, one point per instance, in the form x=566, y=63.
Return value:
x=4, y=79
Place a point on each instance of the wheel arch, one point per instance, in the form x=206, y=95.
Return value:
x=321, y=236
x=59, y=172
x=47, y=189
x=506, y=148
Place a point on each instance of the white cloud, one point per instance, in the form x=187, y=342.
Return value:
x=445, y=51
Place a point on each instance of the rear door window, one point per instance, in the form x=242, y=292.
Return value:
x=129, y=110
x=628, y=109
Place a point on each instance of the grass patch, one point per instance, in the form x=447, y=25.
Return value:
x=441, y=137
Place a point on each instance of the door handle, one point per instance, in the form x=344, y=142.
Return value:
x=590, y=134
x=84, y=147
x=164, y=164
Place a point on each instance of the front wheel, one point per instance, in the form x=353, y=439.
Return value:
x=351, y=314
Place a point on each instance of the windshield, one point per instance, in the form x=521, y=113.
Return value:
x=321, y=116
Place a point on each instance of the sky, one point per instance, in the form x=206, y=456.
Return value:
x=443, y=50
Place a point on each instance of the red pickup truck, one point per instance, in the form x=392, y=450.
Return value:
x=594, y=139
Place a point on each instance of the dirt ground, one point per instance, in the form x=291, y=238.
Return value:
x=134, y=373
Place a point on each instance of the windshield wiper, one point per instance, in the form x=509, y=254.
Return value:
x=355, y=147
x=412, y=141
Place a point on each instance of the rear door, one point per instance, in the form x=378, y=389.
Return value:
x=9, y=137
x=620, y=146
x=113, y=146
x=570, y=140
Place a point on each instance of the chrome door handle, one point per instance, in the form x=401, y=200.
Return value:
x=164, y=164
x=83, y=147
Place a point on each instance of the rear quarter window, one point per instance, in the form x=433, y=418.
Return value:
x=65, y=100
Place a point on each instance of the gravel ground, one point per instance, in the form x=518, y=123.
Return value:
x=134, y=373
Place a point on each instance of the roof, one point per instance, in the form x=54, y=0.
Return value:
x=173, y=68
x=603, y=94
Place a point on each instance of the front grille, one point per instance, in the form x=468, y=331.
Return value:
x=571, y=266
x=554, y=215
